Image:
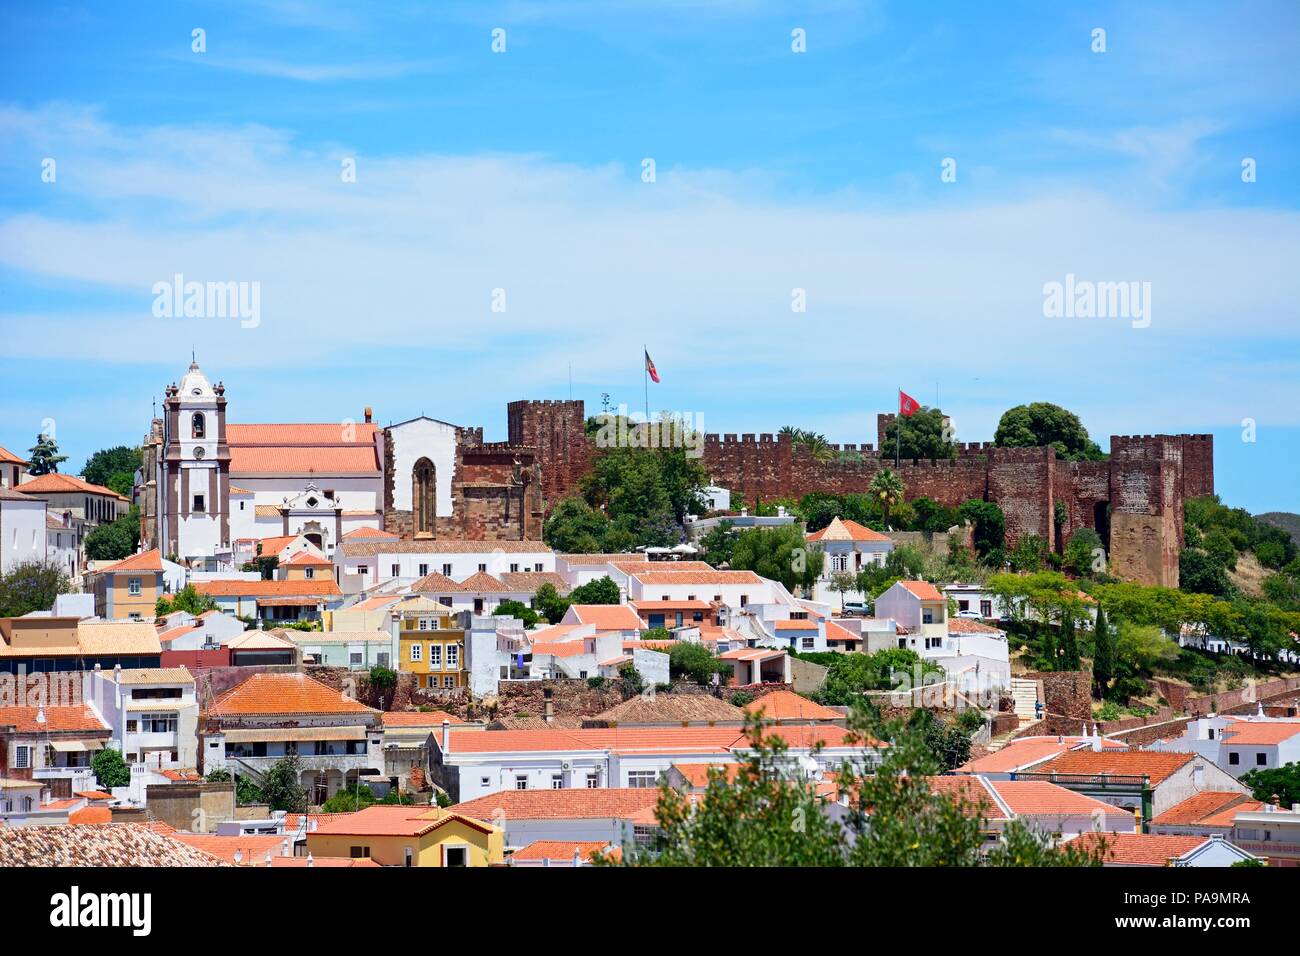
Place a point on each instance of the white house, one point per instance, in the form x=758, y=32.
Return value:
x=472, y=764
x=23, y=530
x=152, y=713
x=1240, y=744
x=849, y=548
x=365, y=562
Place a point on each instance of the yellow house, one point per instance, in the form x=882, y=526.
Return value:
x=305, y=566
x=409, y=836
x=433, y=648
x=130, y=588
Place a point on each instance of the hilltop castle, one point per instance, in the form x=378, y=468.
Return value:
x=208, y=486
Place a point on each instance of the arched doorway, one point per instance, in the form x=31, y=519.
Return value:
x=424, y=496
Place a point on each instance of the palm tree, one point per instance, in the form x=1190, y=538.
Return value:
x=816, y=442
x=887, y=488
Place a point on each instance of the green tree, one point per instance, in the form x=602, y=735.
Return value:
x=816, y=443
x=188, y=599
x=574, y=527
x=280, y=786
x=383, y=679
x=931, y=516
x=114, y=541
x=766, y=814
x=989, y=526
x=632, y=680
x=110, y=769
x=924, y=436
x=779, y=553
x=1200, y=572
x=44, y=456
x=1103, y=655
x=1069, y=646
x=692, y=661
x=520, y=610
x=1082, y=551
x=1029, y=554
x=719, y=543
x=111, y=464
x=31, y=586
x=1042, y=423
x=843, y=582
x=550, y=603
x=887, y=489
x=1283, y=782
x=349, y=800
x=948, y=742
x=599, y=591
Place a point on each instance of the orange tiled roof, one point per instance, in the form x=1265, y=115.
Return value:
x=1259, y=732
x=787, y=705
x=965, y=625
x=561, y=850
x=625, y=803
x=320, y=587
x=144, y=561
x=102, y=845
x=1198, y=806
x=1156, y=765
x=91, y=814
x=272, y=546
x=305, y=559
x=608, y=617
x=842, y=529
x=284, y=694
x=800, y=625
x=326, y=449
x=252, y=848
x=836, y=633
x=482, y=581
x=419, y=718
x=530, y=581
x=559, y=648
x=395, y=821
x=435, y=583
x=1040, y=798
x=698, y=577
x=10, y=458
x=368, y=532
x=1141, y=849
x=923, y=590
x=628, y=740
x=57, y=720
x=56, y=484
x=1024, y=754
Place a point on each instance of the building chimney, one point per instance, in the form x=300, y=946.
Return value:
x=446, y=736
x=369, y=414
x=548, y=707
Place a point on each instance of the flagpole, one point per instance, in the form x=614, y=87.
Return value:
x=645, y=375
x=898, y=432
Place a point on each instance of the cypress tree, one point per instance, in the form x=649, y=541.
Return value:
x=1103, y=656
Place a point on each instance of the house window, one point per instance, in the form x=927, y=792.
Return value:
x=424, y=623
x=200, y=505
x=744, y=599
x=408, y=857
x=478, y=605
x=593, y=781
x=1261, y=759
x=809, y=643
x=133, y=586
x=453, y=655
x=521, y=781
x=457, y=856
x=354, y=659
x=933, y=642
x=425, y=502
x=360, y=853
x=449, y=682
x=435, y=655
x=483, y=568
x=417, y=651
x=158, y=723
x=514, y=569
x=363, y=570
x=986, y=608
x=446, y=570
x=311, y=573
x=423, y=569
x=642, y=779
x=1234, y=759
x=22, y=757
x=557, y=781
x=963, y=605
x=927, y=615
x=537, y=566
x=445, y=601
x=396, y=570
x=643, y=835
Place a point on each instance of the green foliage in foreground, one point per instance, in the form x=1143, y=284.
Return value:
x=769, y=815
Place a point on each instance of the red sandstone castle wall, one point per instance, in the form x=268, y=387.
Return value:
x=556, y=431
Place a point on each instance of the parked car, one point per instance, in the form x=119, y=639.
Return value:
x=857, y=609
x=974, y=614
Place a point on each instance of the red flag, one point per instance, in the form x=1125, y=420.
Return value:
x=907, y=405
x=650, y=367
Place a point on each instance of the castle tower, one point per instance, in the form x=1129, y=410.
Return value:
x=193, y=483
x=557, y=430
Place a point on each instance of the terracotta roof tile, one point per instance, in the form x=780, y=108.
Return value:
x=79, y=719
x=321, y=587
x=1199, y=806
x=113, y=845
x=1141, y=849
x=1156, y=765
x=842, y=529
x=607, y=617
x=59, y=484
x=269, y=693
x=1040, y=798
x=923, y=590
x=562, y=850
x=698, y=577
x=144, y=561
x=634, y=803
x=323, y=449
x=787, y=705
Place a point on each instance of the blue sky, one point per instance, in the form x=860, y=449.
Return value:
x=775, y=171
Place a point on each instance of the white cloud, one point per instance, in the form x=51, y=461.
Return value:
x=594, y=262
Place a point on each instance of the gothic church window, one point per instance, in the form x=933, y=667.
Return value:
x=423, y=491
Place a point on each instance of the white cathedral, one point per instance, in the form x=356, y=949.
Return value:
x=209, y=490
